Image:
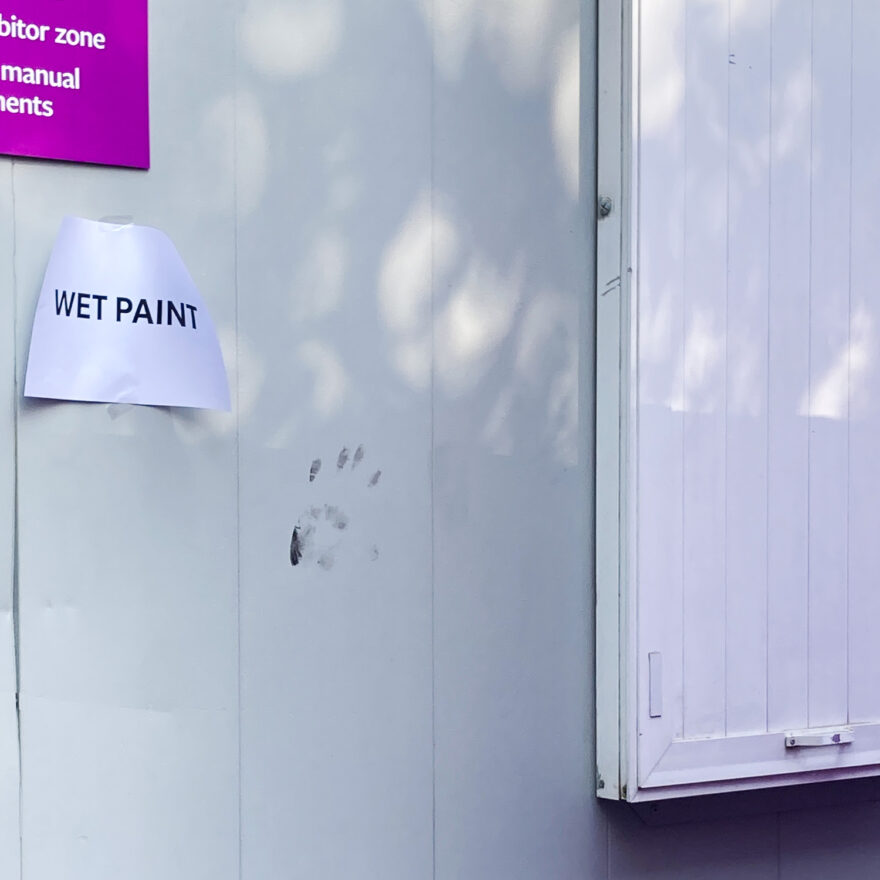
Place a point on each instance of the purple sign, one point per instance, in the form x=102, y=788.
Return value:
x=74, y=81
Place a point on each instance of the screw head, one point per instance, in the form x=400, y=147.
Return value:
x=606, y=205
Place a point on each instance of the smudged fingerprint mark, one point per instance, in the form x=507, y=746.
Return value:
x=342, y=461
x=327, y=561
x=336, y=518
x=375, y=479
x=358, y=457
x=300, y=542
x=314, y=470
x=374, y=553
x=296, y=550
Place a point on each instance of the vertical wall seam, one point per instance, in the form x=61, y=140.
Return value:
x=727, y=384
x=633, y=391
x=431, y=160
x=684, y=362
x=810, y=363
x=16, y=615
x=768, y=387
x=590, y=101
x=849, y=357
x=237, y=398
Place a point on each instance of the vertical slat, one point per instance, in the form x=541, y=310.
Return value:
x=660, y=304
x=10, y=827
x=788, y=367
x=705, y=343
x=864, y=546
x=127, y=550
x=829, y=361
x=747, y=329
x=508, y=625
x=334, y=232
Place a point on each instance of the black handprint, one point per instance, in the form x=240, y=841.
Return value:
x=319, y=532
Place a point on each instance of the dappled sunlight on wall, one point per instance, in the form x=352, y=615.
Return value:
x=218, y=127
x=252, y=374
x=396, y=253
x=792, y=105
x=704, y=349
x=747, y=375
x=197, y=426
x=547, y=360
x=476, y=319
x=234, y=123
x=346, y=187
x=756, y=266
x=252, y=148
x=663, y=92
x=247, y=373
x=526, y=58
x=844, y=379
x=292, y=39
x=329, y=380
x=427, y=243
x=320, y=282
x=480, y=308
x=750, y=13
x=519, y=36
x=659, y=319
x=566, y=111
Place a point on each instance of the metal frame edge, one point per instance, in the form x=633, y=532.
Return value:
x=613, y=283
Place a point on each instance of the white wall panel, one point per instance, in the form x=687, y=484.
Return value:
x=334, y=277
x=127, y=529
x=345, y=192
x=119, y=791
x=704, y=97
x=828, y=401
x=661, y=194
x=510, y=477
x=788, y=368
x=746, y=375
x=864, y=370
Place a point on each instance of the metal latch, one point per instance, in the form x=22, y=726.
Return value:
x=815, y=737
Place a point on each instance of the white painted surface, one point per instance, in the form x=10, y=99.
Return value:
x=864, y=549
x=427, y=714
x=128, y=523
x=788, y=446
x=754, y=505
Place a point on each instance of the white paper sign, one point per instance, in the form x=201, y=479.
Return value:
x=120, y=321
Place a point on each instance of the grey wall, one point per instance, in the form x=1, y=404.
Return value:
x=388, y=211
